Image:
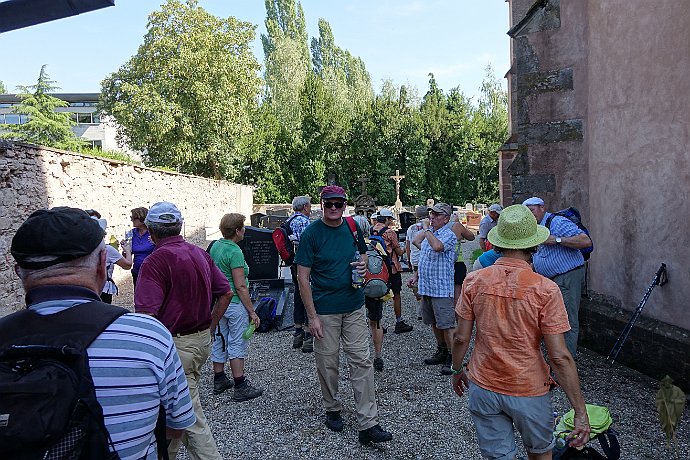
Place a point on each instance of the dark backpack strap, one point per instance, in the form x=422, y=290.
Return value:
x=210, y=245
x=77, y=326
x=547, y=224
x=608, y=440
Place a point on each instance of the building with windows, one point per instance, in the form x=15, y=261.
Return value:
x=91, y=126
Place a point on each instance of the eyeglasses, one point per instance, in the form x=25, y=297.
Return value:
x=330, y=204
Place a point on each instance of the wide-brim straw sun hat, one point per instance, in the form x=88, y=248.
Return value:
x=517, y=229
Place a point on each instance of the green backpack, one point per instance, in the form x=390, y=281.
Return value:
x=600, y=423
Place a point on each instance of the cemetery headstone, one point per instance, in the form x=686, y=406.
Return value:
x=272, y=222
x=255, y=219
x=260, y=253
x=406, y=219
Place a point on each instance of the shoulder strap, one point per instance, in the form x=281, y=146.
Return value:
x=77, y=326
x=548, y=221
x=353, y=228
x=210, y=245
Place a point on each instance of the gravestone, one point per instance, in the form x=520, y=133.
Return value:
x=272, y=222
x=279, y=212
x=406, y=219
x=260, y=253
x=255, y=219
x=365, y=205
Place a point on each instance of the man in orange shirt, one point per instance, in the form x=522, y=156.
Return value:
x=507, y=378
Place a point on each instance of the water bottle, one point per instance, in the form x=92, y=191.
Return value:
x=128, y=236
x=357, y=279
x=248, y=331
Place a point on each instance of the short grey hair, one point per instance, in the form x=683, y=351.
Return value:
x=88, y=262
x=300, y=202
x=164, y=230
x=364, y=225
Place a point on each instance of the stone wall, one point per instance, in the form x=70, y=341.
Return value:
x=32, y=178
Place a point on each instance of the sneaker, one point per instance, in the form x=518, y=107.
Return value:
x=298, y=338
x=334, y=421
x=374, y=434
x=308, y=345
x=245, y=391
x=378, y=364
x=439, y=357
x=402, y=327
x=222, y=384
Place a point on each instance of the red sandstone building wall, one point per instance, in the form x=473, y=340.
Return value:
x=600, y=115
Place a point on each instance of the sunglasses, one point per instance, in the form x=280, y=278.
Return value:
x=330, y=204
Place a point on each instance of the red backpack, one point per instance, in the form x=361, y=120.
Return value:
x=377, y=279
x=281, y=238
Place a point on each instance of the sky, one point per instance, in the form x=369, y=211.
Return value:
x=401, y=40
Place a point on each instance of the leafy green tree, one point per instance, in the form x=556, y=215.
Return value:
x=3, y=90
x=286, y=54
x=186, y=98
x=44, y=125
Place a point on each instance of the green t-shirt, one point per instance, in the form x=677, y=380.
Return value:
x=228, y=255
x=328, y=251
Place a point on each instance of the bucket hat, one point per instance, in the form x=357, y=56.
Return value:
x=517, y=229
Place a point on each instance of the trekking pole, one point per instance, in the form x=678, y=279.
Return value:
x=660, y=279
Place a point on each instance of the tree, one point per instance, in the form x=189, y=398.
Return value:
x=44, y=126
x=3, y=90
x=286, y=54
x=186, y=98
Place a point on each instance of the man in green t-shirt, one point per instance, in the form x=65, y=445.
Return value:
x=334, y=307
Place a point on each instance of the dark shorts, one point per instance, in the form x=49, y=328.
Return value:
x=460, y=272
x=396, y=282
x=374, y=308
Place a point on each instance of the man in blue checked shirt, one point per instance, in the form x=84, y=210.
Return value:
x=559, y=258
x=299, y=220
x=435, y=280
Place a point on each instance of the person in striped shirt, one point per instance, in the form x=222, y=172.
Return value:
x=134, y=364
x=559, y=258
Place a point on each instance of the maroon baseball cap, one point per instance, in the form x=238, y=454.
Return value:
x=333, y=191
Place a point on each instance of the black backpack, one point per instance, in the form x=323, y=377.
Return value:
x=573, y=215
x=266, y=311
x=48, y=406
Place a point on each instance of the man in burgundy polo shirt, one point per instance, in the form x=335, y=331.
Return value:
x=176, y=284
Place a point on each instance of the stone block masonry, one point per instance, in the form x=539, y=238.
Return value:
x=33, y=177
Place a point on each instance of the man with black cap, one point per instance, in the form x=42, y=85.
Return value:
x=60, y=257
x=334, y=306
x=176, y=284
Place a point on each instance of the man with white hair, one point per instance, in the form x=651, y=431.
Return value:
x=559, y=258
x=487, y=223
x=298, y=221
x=176, y=284
x=61, y=261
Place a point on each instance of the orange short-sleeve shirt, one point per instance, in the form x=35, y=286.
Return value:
x=513, y=308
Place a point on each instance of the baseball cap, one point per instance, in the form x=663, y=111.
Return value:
x=441, y=208
x=534, y=201
x=386, y=213
x=164, y=212
x=496, y=208
x=333, y=191
x=55, y=236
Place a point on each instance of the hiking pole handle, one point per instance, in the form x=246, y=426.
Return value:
x=660, y=279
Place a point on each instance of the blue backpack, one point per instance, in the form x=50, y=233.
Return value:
x=573, y=215
x=266, y=311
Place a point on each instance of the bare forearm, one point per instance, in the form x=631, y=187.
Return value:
x=245, y=298
x=220, y=308
x=566, y=372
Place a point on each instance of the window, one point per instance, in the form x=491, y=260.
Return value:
x=98, y=145
x=83, y=118
x=12, y=119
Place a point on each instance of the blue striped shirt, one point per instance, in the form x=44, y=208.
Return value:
x=555, y=259
x=436, y=269
x=135, y=369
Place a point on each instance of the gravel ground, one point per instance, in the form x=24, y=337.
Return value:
x=415, y=403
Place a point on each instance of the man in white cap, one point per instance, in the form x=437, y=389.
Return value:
x=507, y=377
x=384, y=221
x=177, y=284
x=487, y=223
x=559, y=258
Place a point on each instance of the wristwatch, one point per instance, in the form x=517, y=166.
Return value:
x=558, y=240
x=428, y=230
